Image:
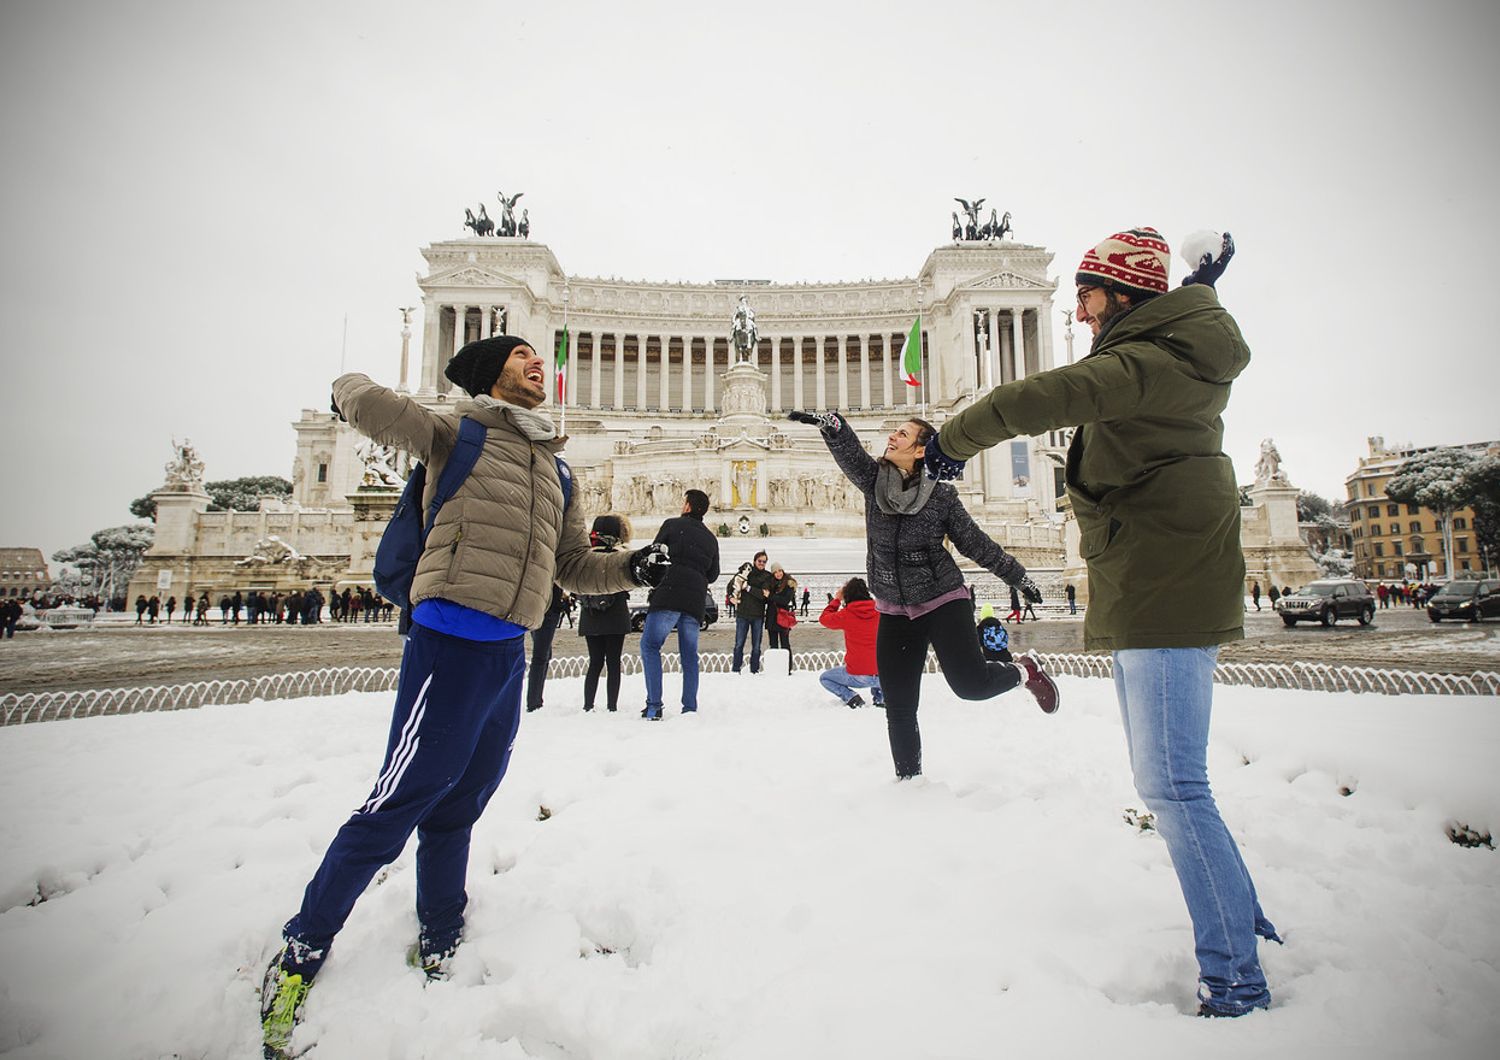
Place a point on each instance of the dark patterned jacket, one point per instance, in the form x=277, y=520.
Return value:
x=905, y=560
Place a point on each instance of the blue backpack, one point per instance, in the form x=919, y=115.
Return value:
x=405, y=535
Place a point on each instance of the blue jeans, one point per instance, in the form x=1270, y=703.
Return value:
x=653, y=635
x=1166, y=697
x=753, y=626
x=845, y=685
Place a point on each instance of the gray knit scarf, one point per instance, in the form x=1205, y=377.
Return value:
x=535, y=425
x=896, y=495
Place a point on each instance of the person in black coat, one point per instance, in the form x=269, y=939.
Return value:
x=750, y=612
x=604, y=620
x=541, y=650
x=680, y=600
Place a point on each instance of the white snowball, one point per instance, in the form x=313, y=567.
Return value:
x=1200, y=243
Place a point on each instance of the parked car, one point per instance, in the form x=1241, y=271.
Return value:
x=1327, y=601
x=1468, y=601
x=710, y=612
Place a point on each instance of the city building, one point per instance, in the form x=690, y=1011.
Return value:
x=23, y=573
x=1402, y=542
x=671, y=386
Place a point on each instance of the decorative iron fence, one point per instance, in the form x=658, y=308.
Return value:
x=20, y=708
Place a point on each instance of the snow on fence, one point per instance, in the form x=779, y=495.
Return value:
x=19, y=708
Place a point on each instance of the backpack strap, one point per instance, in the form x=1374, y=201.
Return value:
x=471, y=436
x=565, y=476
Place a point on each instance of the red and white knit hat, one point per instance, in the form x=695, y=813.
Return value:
x=1134, y=261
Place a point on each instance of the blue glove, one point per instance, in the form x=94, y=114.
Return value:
x=1210, y=268
x=827, y=422
x=648, y=566
x=939, y=465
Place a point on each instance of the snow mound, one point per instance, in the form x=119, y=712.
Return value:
x=750, y=882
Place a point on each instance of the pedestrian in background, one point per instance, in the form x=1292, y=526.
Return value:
x=604, y=618
x=852, y=611
x=679, y=602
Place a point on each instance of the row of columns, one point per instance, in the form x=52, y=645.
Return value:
x=849, y=385
x=997, y=349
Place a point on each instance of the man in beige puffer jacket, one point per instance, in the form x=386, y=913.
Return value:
x=484, y=578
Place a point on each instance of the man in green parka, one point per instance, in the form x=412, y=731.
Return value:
x=1159, y=520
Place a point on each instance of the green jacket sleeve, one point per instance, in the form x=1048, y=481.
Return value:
x=1101, y=387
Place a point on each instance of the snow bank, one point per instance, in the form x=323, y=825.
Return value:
x=750, y=883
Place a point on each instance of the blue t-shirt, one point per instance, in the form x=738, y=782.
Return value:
x=456, y=620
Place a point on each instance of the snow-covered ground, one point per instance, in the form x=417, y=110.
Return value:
x=751, y=883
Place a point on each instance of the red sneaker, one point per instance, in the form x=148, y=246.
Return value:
x=1038, y=683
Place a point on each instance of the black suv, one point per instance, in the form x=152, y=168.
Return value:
x=1327, y=601
x=710, y=613
x=1467, y=601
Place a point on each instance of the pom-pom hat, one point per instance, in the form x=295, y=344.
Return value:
x=478, y=365
x=1133, y=261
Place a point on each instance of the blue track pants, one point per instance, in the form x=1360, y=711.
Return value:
x=458, y=705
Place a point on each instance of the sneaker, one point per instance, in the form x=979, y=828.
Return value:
x=690, y=710
x=1205, y=1012
x=587, y=707
x=437, y=967
x=281, y=997
x=1038, y=683
x=652, y=714
x=857, y=701
x=878, y=699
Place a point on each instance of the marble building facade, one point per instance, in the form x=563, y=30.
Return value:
x=659, y=400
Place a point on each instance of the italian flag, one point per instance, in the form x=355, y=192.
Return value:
x=911, y=354
x=562, y=367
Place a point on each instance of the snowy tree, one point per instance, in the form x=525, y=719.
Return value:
x=244, y=494
x=1483, y=478
x=108, y=559
x=1435, y=480
x=1311, y=505
x=227, y=495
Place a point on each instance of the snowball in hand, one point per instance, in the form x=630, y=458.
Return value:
x=1200, y=243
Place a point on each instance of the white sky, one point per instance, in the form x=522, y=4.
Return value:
x=195, y=197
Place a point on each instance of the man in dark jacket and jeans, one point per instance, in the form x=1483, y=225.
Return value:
x=678, y=602
x=1159, y=519
x=750, y=612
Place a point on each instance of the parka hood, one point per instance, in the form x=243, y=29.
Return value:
x=1190, y=324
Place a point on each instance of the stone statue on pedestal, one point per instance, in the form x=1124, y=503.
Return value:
x=185, y=470
x=1268, y=468
x=743, y=332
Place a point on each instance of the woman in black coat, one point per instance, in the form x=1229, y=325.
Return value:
x=604, y=621
x=919, y=591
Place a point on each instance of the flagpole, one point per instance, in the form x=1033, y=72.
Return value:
x=563, y=373
x=921, y=361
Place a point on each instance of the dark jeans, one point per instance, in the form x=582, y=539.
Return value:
x=900, y=655
x=604, y=654
x=776, y=637
x=541, y=657
x=752, y=626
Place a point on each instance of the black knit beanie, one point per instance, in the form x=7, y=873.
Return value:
x=478, y=365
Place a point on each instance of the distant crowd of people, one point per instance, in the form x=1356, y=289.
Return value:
x=304, y=606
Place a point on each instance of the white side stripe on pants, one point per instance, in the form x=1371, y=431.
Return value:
x=406, y=750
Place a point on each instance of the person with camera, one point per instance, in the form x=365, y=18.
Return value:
x=679, y=602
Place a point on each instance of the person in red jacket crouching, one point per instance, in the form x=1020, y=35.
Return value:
x=853, y=611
